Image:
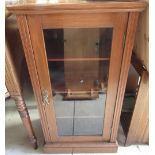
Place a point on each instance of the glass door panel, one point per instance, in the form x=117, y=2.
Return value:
x=78, y=43
x=78, y=61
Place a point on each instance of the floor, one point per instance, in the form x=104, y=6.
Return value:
x=16, y=138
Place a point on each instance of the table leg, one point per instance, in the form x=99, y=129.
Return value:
x=24, y=114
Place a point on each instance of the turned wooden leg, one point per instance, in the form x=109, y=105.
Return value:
x=22, y=109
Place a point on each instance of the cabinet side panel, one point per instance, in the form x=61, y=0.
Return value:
x=131, y=30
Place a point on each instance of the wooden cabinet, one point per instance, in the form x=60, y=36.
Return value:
x=78, y=55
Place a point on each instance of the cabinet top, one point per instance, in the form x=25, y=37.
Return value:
x=90, y=6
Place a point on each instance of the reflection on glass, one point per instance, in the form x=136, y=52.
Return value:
x=78, y=61
x=78, y=43
x=79, y=117
x=88, y=78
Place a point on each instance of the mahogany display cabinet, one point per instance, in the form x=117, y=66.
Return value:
x=78, y=55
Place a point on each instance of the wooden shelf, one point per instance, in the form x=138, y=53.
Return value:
x=79, y=59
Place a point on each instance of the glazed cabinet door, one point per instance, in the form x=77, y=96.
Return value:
x=78, y=60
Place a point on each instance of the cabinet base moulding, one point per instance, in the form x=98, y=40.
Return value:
x=81, y=147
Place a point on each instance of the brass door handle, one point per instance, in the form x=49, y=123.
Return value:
x=45, y=97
